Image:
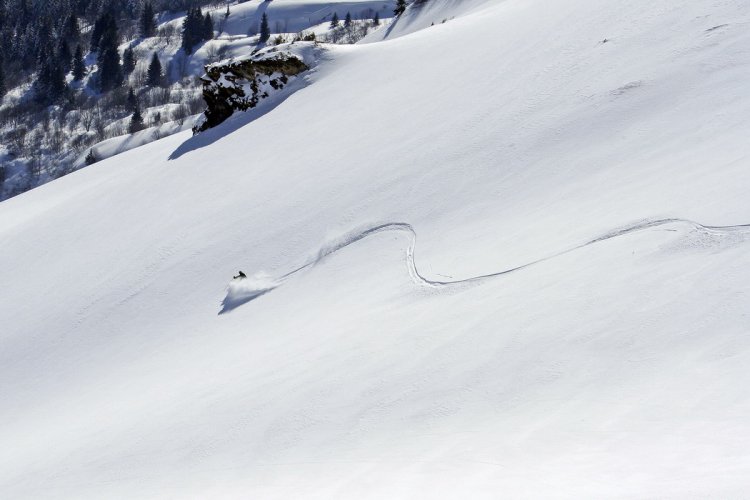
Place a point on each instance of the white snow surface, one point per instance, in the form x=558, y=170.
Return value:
x=504, y=136
x=419, y=16
x=291, y=16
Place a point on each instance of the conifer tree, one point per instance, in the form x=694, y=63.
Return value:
x=79, y=67
x=400, y=7
x=50, y=84
x=42, y=72
x=24, y=14
x=71, y=31
x=128, y=61
x=108, y=60
x=2, y=78
x=194, y=30
x=147, y=24
x=63, y=54
x=376, y=19
x=136, y=121
x=208, y=27
x=91, y=157
x=154, y=72
x=110, y=71
x=187, y=33
x=348, y=20
x=132, y=100
x=96, y=31
x=335, y=20
x=58, y=87
x=44, y=39
x=265, y=30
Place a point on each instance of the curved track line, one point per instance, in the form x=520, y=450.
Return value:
x=419, y=278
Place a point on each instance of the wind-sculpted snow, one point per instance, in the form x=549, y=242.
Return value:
x=243, y=291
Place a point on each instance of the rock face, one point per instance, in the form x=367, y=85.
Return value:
x=240, y=85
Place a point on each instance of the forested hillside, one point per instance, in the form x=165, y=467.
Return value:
x=83, y=80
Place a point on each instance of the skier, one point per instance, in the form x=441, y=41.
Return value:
x=240, y=276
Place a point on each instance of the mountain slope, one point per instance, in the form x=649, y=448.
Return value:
x=502, y=137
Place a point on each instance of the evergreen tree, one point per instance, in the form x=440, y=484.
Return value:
x=154, y=72
x=335, y=20
x=2, y=78
x=265, y=30
x=44, y=39
x=188, y=36
x=376, y=19
x=24, y=15
x=79, y=67
x=71, y=31
x=50, y=85
x=400, y=7
x=110, y=71
x=43, y=75
x=192, y=30
x=208, y=27
x=147, y=24
x=136, y=121
x=132, y=100
x=58, y=87
x=128, y=61
x=91, y=157
x=348, y=20
x=64, y=56
x=96, y=31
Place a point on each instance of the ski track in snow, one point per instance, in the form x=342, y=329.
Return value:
x=239, y=294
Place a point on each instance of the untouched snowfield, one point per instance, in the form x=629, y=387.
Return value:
x=515, y=132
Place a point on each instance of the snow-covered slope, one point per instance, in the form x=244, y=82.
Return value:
x=507, y=135
x=421, y=15
x=290, y=16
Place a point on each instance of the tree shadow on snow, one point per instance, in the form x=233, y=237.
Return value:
x=258, y=15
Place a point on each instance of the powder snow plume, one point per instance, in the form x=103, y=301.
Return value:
x=241, y=291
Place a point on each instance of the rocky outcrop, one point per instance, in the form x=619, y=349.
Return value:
x=239, y=85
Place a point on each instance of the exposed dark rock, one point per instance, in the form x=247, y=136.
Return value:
x=241, y=85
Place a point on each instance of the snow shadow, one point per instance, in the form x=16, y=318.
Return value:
x=242, y=291
x=262, y=8
x=238, y=120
